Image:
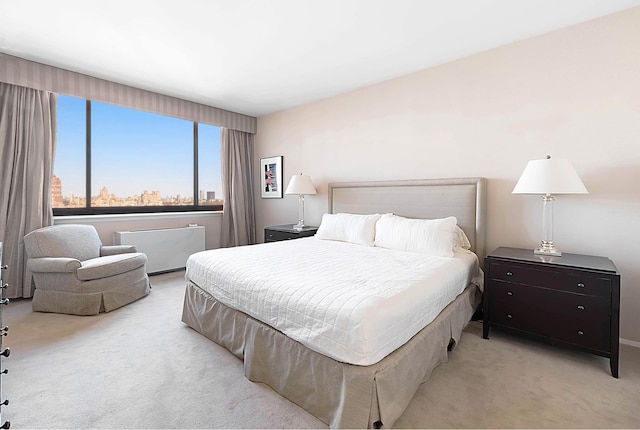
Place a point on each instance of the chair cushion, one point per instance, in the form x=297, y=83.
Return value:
x=110, y=265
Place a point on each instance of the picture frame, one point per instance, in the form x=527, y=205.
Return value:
x=271, y=181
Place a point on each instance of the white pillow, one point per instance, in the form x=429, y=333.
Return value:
x=460, y=239
x=352, y=228
x=426, y=236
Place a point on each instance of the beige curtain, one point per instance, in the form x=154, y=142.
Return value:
x=238, y=215
x=27, y=147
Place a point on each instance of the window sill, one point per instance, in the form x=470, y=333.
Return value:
x=66, y=219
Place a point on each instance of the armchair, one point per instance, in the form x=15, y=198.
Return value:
x=74, y=273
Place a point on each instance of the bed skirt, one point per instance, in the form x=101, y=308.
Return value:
x=340, y=394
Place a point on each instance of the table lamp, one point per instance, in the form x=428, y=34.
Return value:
x=300, y=185
x=548, y=177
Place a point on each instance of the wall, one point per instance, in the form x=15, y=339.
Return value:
x=573, y=93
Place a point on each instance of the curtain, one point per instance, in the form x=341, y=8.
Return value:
x=27, y=147
x=238, y=215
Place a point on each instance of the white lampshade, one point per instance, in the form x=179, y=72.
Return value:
x=550, y=176
x=300, y=184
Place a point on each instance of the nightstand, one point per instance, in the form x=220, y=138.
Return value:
x=285, y=232
x=572, y=300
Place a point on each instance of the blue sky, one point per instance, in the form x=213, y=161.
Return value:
x=133, y=151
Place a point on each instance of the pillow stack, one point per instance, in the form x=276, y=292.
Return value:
x=437, y=237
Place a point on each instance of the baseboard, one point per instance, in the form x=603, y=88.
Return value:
x=630, y=342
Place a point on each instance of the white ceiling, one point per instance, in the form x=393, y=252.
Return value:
x=261, y=56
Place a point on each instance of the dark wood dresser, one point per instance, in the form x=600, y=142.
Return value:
x=3, y=332
x=285, y=232
x=572, y=300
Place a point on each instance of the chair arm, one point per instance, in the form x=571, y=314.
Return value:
x=116, y=249
x=53, y=265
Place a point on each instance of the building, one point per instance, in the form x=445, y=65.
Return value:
x=56, y=192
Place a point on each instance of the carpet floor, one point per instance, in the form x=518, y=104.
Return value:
x=141, y=367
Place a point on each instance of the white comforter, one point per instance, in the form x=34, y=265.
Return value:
x=353, y=303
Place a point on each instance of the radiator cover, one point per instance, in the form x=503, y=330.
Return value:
x=166, y=248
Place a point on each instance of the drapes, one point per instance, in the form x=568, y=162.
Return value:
x=27, y=148
x=238, y=215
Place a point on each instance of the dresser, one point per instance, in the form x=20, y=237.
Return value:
x=286, y=232
x=3, y=332
x=572, y=300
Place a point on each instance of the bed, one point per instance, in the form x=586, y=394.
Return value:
x=305, y=353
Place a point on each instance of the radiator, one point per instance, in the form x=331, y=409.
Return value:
x=166, y=248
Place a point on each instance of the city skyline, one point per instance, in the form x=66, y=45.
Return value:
x=106, y=199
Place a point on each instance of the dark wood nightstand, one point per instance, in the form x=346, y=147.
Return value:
x=285, y=232
x=573, y=300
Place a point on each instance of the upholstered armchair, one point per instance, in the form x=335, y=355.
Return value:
x=75, y=274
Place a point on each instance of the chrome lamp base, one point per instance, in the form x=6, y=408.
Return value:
x=547, y=248
x=546, y=245
x=300, y=226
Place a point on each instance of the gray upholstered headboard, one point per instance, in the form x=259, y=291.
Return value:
x=464, y=198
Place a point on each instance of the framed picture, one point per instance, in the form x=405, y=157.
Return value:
x=271, y=174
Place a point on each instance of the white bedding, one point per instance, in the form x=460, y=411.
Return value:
x=353, y=303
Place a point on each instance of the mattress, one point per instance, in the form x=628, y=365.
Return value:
x=352, y=303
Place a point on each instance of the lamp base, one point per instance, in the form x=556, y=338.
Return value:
x=299, y=227
x=547, y=248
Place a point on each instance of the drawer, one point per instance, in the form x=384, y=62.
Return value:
x=274, y=236
x=583, y=333
x=519, y=317
x=549, y=313
x=589, y=334
x=270, y=236
x=561, y=303
x=574, y=281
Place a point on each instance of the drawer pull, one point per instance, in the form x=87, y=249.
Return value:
x=509, y=273
x=581, y=307
x=509, y=316
x=580, y=285
x=580, y=332
x=509, y=293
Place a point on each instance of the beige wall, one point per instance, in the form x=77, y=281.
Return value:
x=573, y=93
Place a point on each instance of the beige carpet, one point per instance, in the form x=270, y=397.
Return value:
x=141, y=367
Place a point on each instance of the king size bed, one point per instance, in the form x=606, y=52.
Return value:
x=349, y=323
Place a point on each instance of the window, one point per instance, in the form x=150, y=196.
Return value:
x=131, y=161
x=209, y=163
x=69, y=172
